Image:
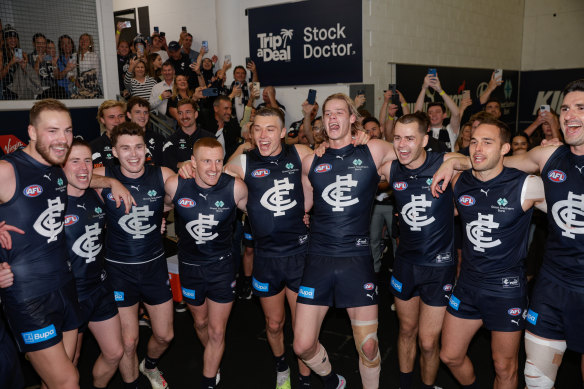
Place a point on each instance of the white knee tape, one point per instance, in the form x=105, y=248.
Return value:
x=544, y=357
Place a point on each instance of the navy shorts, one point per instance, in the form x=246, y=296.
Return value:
x=342, y=282
x=147, y=282
x=505, y=314
x=39, y=323
x=247, y=235
x=556, y=313
x=432, y=284
x=271, y=275
x=98, y=306
x=214, y=280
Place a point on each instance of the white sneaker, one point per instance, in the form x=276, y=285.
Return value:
x=283, y=379
x=154, y=376
x=218, y=377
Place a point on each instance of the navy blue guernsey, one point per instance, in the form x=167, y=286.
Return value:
x=207, y=215
x=135, y=237
x=344, y=182
x=495, y=230
x=38, y=258
x=426, y=223
x=275, y=204
x=84, y=223
x=563, y=179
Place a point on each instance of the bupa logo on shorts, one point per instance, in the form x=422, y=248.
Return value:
x=306, y=292
x=33, y=190
x=186, y=202
x=396, y=284
x=532, y=317
x=557, y=176
x=369, y=286
x=447, y=288
x=454, y=303
x=260, y=286
x=38, y=336
x=514, y=311
x=118, y=296
x=323, y=168
x=259, y=173
x=189, y=293
x=400, y=185
x=466, y=200
x=71, y=219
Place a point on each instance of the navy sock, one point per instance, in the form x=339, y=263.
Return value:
x=151, y=362
x=424, y=386
x=304, y=381
x=281, y=364
x=405, y=380
x=131, y=385
x=331, y=381
x=207, y=383
x=474, y=385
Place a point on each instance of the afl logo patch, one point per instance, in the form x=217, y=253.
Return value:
x=185, y=202
x=33, y=190
x=466, y=200
x=400, y=185
x=323, y=168
x=514, y=311
x=557, y=176
x=259, y=173
x=447, y=288
x=71, y=219
x=369, y=286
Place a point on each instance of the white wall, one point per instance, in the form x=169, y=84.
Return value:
x=552, y=35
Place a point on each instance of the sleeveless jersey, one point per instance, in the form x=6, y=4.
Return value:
x=135, y=237
x=563, y=179
x=38, y=258
x=426, y=223
x=275, y=204
x=344, y=182
x=495, y=229
x=84, y=223
x=207, y=215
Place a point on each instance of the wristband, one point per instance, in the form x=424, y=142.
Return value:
x=404, y=105
x=160, y=97
x=442, y=93
x=391, y=118
x=118, y=32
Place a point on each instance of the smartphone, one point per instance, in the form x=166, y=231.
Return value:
x=394, y=95
x=466, y=94
x=184, y=28
x=311, y=96
x=48, y=58
x=432, y=72
x=206, y=45
x=237, y=83
x=247, y=60
x=162, y=34
x=210, y=92
x=18, y=53
x=256, y=86
x=169, y=91
x=498, y=74
x=140, y=49
x=544, y=108
x=360, y=92
x=156, y=29
x=127, y=24
x=228, y=58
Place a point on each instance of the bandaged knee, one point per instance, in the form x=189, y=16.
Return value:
x=543, y=360
x=319, y=363
x=370, y=368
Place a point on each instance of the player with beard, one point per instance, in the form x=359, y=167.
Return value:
x=425, y=267
x=341, y=185
x=41, y=305
x=553, y=319
x=206, y=204
x=495, y=206
x=138, y=271
x=84, y=233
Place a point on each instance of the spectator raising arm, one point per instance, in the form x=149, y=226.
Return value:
x=454, y=111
